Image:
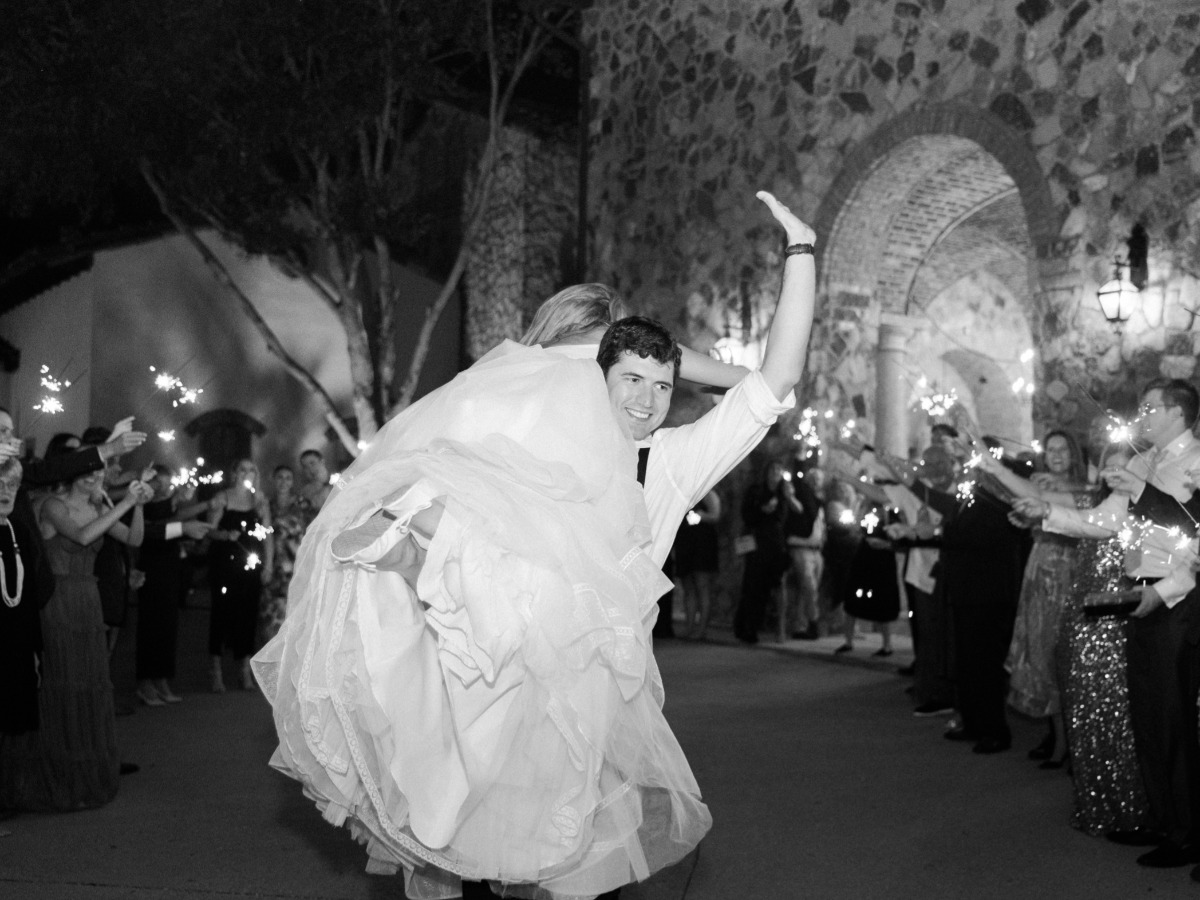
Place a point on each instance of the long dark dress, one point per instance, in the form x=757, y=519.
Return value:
x=236, y=585
x=20, y=641
x=71, y=762
x=1109, y=794
x=158, y=597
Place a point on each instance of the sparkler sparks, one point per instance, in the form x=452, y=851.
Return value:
x=939, y=403
x=260, y=531
x=164, y=381
x=50, y=404
x=252, y=561
x=166, y=436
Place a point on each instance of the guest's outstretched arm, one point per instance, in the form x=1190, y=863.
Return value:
x=787, y=343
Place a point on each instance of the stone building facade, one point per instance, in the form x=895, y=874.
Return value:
x=972, y=167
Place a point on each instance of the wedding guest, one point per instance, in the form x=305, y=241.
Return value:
x=316, y=488
x=290, y=515
x=241, y=559
x=72, y=762
x=170, y=516
x=764, y=507
x=26, y=584
x=697, y=562
x=1109, y=793
x=1161, y=703
x=805, y=530
x=1034, y=688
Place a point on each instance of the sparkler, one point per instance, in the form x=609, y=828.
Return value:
x=166, y=436
x=693, y=517
x=50, y=404
x=164, y=381
x=806, y=432
x=939, y=404
x=252, y=561
x=846, y=517
x=870, y=521
x=260, y=531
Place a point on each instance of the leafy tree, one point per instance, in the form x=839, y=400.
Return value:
x=330, y=135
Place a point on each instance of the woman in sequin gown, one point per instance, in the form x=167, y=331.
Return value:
x=1109, y=795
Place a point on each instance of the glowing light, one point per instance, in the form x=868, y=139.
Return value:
x=693, y=517
x=939, y=403
x=1018, y=385
x=846, y=517
x=260, y=531
x=335, y=477
x=1036, y=445
x=49, y=405
x=166, y=436
x=1027, y=355
x=164, y=381
x=252, y=561
x=966, y=492
x=870, y=522
x=997, y=452
x=249, y=485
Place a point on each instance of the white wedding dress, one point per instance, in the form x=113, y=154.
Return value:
x=501, y=722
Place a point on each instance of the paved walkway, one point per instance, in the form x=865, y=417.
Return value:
x=821, y=784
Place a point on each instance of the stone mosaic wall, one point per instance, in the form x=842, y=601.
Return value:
x=698, y=103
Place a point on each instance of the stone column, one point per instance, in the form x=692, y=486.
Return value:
x=891, y=385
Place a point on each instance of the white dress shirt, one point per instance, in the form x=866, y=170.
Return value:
x=686, y=462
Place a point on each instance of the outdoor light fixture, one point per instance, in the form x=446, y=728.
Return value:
x=1117, y=297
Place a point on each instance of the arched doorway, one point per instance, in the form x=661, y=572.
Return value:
x=934, y=226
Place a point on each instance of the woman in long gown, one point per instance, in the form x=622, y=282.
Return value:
x=1109, y=794
x=1034, y=686
x=71, y=761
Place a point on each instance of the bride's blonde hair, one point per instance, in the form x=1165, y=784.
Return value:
x=574, y=311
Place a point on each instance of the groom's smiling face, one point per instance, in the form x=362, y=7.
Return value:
x=640, y=389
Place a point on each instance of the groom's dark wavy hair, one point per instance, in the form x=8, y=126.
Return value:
x=645, y=337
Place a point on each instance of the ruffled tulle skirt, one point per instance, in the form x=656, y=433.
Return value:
x=498, y=717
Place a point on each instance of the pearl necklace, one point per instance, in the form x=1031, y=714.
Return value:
x=10, y=600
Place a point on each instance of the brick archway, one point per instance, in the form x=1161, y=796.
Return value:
x=947, y=198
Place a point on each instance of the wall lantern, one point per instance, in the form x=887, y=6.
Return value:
x=1118, y=297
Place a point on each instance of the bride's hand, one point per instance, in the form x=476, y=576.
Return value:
x=797, y=231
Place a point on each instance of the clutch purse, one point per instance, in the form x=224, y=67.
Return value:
x=1112, y=603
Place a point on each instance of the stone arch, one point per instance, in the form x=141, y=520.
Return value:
x=944, y=200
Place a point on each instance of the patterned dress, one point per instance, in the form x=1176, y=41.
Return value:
x=1033, y=683
x=288, y=523
x=1109, y=795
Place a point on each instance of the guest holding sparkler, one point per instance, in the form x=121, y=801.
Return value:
x=290, y=515
x=170, y=515
x=976, y=537
x=241, y=560
x=73, y=762
x=1157, y=650
x=1034, y=687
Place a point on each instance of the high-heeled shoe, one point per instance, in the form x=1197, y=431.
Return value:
x=1045, y=749
x=168, y=695
x=148, y=696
